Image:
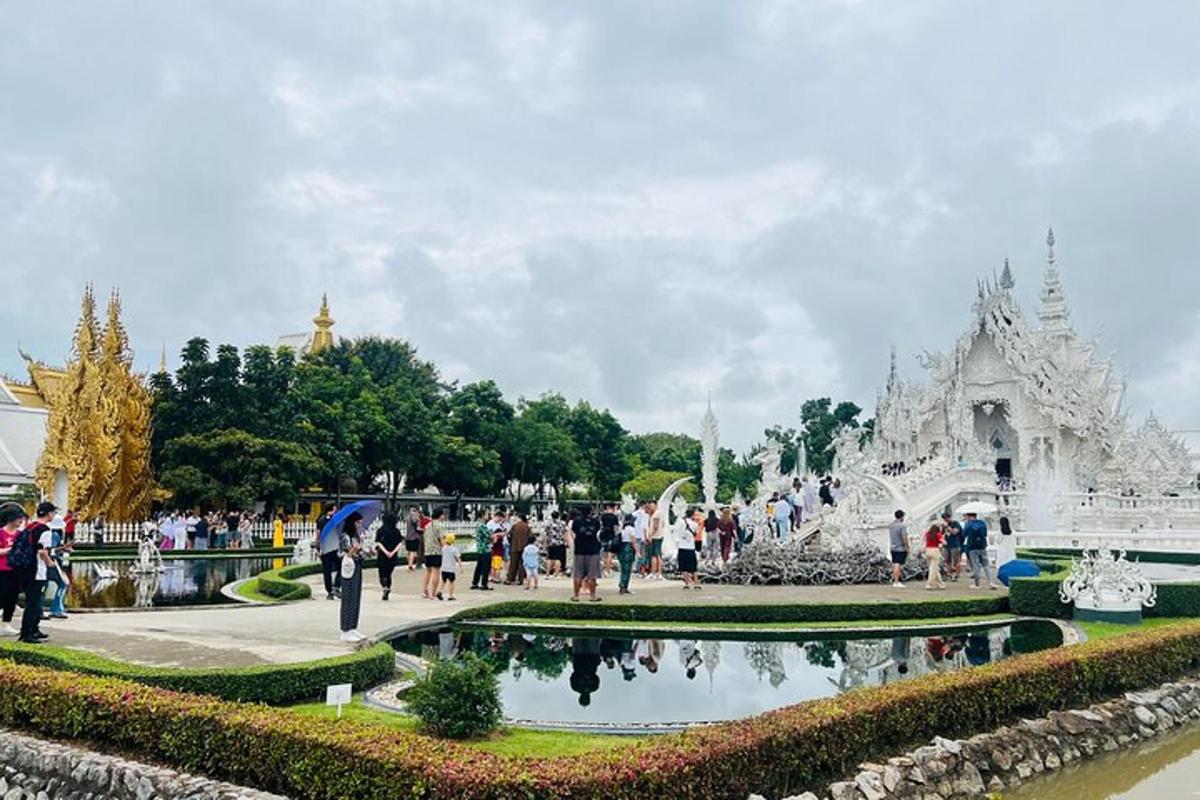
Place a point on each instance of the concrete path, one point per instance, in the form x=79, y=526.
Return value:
x=247, y=635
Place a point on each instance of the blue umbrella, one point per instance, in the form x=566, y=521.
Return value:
x=1017, y=568
x=369, y=510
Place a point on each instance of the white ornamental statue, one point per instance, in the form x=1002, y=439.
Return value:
x=1107, y=587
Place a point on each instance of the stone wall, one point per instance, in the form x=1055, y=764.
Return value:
x=35, y=769
x=948, y=769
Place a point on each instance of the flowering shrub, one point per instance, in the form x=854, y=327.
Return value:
x=458, y=698
x=269, y=683
x=777, y=754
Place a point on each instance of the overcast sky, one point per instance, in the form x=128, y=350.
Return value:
x=634, y=203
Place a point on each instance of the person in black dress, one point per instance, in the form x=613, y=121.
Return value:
x=387, y=551
x=350, y=546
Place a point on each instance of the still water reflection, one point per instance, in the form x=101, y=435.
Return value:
x=183, y=582
x=629, y=680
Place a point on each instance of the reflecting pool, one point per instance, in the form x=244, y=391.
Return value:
x=627, y=677
x=1165, y=768
x=183, y=582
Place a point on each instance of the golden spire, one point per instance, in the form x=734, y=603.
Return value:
x=322, y=338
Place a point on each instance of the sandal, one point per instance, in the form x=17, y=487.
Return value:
x=596, y=599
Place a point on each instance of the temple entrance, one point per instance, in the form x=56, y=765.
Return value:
x=994, y=431
x=1004, y=468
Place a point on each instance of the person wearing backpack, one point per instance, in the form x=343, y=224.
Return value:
x=12, y=519
x=31, y=561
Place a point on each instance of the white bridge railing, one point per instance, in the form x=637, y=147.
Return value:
x=130, y=533
x=1166, y=541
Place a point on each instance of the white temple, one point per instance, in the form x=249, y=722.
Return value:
x=1031, y=399
x=1021, y=413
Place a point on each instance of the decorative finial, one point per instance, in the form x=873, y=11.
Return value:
x=322, y=338
x=1050, y=246
x=162, y=359
x=1006, y=276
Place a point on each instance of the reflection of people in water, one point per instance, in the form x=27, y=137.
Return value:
x=585, y=661
x=610, y=651
x=629, y=659
x=979, y=649
x=654, y=654
x=900, y=645
x=689, y=658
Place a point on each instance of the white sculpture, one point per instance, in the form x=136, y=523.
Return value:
x=149, y=559
x=769, y=459
x=1107, y=586
x=302, y=551
x=709, y=454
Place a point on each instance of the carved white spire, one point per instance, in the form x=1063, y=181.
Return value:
x=1006, y=277
x=1053, y=312
x=893, y=374
x=708, y=455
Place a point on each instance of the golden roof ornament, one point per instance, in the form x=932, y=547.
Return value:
x=322, y=338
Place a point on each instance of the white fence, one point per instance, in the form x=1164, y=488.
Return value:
x=130, y=533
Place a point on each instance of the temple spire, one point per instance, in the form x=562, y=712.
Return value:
x=322, y=338
x=893, y=373
x=1053, y=312
x=162, y=359
x=1006, y=276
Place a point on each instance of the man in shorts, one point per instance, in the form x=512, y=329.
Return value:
x=434, y=540
x=655, y=534
x=898, y=536
x=954, y=543
x=585, y=533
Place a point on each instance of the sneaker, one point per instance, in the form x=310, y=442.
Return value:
x=9, y=630
x=897, y=585
x=329, y=596
x=64, y=616
x=347, y=636
x=355, y=636
x=386, y=593
x=972, y=586
x=439, y=596
x=994, y=586
x=29, y=641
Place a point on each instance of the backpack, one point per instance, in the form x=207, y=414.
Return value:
x=22, y=556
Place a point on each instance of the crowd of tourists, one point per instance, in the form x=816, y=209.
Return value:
x=35, y=554
x=191, y=530
x=946, y=544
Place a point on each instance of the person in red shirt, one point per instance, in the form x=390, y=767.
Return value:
x=935, y=537
x=12, y=519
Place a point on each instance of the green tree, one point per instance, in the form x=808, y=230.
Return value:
x=601, y=441
x=232, y=468
x=820, y=421
x=543, y=454
x=649, y=485
x=674, y=452
x=480, y=415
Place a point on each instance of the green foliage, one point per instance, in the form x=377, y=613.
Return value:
x=457, y=698
x=282, y=583
x=232, y=468
x=820, y=423
x=649, y=485
x=270, y=683
x=772, y=612
x=777, y=754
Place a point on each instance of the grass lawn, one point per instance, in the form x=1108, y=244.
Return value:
x=249, y=590
x=1103, y=630
x=517, y=742
x=887, y=624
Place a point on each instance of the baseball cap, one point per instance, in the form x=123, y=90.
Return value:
x=46, y=507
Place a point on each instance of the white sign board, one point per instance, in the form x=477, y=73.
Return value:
x=338, y=694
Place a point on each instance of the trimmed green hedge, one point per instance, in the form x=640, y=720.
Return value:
x=268, y=683
x=1038, y=597
x=1149, y=556
x=777, y=754
x=282, y=583
x=770, y=612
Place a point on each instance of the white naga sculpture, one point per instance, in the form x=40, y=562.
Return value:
x=302, y=551
x=1104, y=586
x=149, y=560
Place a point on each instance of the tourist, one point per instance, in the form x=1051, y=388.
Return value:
x=585, y=662
x=556, y=545
x=585, y=536
x=627, y=553
x=327, y=547
x=98, y=530
x=201, y=530
x=782, y=516
x=954, y=543
x=451, y=565
x=31, y=559
x=351, y=562
x=499, y=530
x=810, y=497
x=530, y=556
x=412, y=537
x=726, y=532
x=54, y=542
x=836, y=491
x=387, y=550
x=712, y=537
x=609, y=541
x=230, y=535
x=935, y=538
x=898, y=537
x=975, y=542
x=641, y=525
x=72, y=520
x=277, y=530
x=189, y=528
x=432, y=540
x=518, y=537
x=796, y=498
x=12, y=519
x=825, y=493
x=690, y=658
x=245, y=531
x=692, y=528
x=744, y=535
x=483, y=552
x=655, y=533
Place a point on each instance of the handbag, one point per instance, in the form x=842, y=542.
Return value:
x=348, y=566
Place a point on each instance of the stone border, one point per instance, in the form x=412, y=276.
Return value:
x=1008, y=757
x=36, y=768
x=674, y=628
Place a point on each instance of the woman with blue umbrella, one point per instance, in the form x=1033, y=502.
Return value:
x=347, y=525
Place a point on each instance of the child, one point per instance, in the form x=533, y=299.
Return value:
x=529, y=559
x=451, y=559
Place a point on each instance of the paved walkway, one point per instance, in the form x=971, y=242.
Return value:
x=247, y=635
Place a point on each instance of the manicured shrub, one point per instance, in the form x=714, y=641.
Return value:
x=770, y=612
x=777, y=754
x=283, y=583
x=269, y=683
x=457, y=699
